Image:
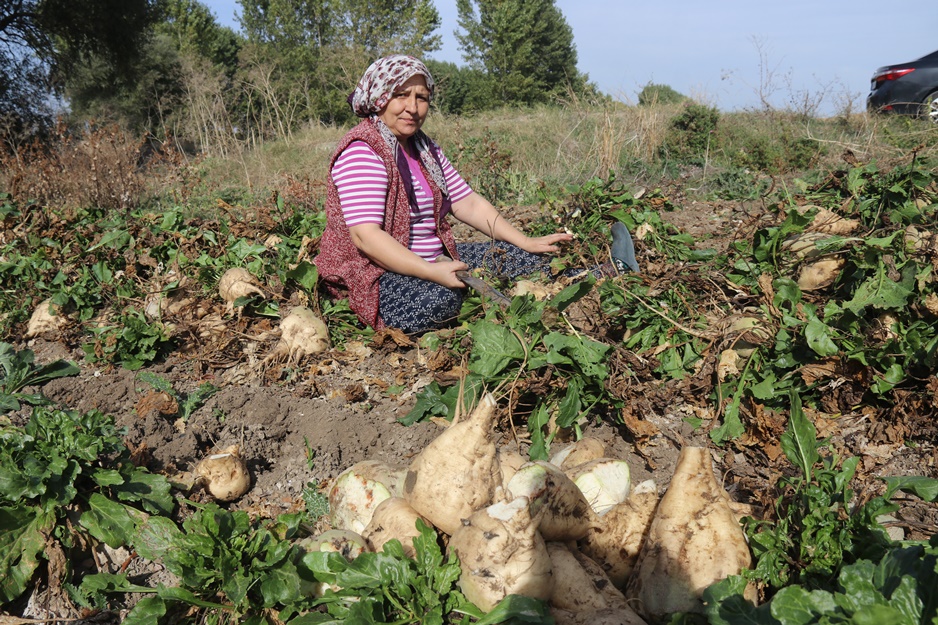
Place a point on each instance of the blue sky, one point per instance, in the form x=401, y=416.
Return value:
x=729, y=53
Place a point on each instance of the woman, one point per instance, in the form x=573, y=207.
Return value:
x=387, y=241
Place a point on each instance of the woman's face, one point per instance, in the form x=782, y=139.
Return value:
x=407, y=109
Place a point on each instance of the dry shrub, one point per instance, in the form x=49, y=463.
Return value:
x=99, y=166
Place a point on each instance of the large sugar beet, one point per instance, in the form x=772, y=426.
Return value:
x=501, y=553
x=616, y=538
x=458, y=472
x=567, y=514
x=694, y=540
x=580, y=584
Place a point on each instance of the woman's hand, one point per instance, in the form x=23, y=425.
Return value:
x=545, y=244
x=477, y=212
x=444, y=272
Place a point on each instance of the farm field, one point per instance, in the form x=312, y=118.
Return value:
x=784, y=321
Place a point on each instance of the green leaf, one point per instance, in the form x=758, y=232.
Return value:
x=516, y=610
x=147, y=611
x=280, y=585
x=111, y=582
x=114, y=239
x=152, y=491
x=304, y=274
x=20, y=371
x=786, y=291
x=536, y=423
x=587, y=354
x=765, y=389
x=818, y=335
x=799, y=441
x=158, y=382
x=23, y=531
x=51, y=371
x=493, y=348
x=370, y=570
x=155, y=537
x=435, y=401
x=243, y=248
x=725, y=604
x=568, y=411
x=107, y=477
x=893, y=376
x=732, y=426
x=175, y=593
x=880, y=292
x=924, y=487
x=108, y=521
x=573, y=293
x=794, y=604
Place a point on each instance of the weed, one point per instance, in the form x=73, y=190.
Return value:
x=95, y=167
x=188, y=404
x=825, y=556
x=484, y=164
x=343, y=324
x=65, y=465
x=738, y=184
x=132, y=342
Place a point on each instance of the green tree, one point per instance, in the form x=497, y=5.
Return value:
x=459, y=89
x=304, y=56
x=195, y=32
x=150, y=94
x=144, y=99
x=288, y=65
x=524, y=46
x=382, y=27
x=652, y=94
x=41, y=41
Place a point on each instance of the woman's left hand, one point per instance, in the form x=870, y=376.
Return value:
x=545, y=244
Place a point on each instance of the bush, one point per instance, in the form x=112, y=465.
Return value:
x=460, y=89
x=772, y=149
x=92, y=167
x=690, y=132
x=652, y=94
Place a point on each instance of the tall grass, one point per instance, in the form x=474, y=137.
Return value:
x=512, y=155
x=554, y=146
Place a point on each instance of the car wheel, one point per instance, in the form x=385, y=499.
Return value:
x=930, y=107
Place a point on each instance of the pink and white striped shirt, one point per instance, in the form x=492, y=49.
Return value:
x=362, y=182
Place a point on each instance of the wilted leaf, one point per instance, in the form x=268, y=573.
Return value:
x=22, y=538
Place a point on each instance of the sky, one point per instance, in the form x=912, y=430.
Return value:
x=731, y=54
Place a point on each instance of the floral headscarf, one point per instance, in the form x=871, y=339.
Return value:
x=374, y=91
x=382, y=77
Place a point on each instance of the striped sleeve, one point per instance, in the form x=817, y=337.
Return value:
x=362, y=182
x=458, y=188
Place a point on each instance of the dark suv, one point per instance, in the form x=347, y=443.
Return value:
x=907, y=88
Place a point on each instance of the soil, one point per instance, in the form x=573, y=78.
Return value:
x=304, y=422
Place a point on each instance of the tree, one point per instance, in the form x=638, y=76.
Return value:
x=149, y=93
x=195, y=32
x=304, y=56
x=459, y=89
x=525, y=47
x=41, y=41
x=382, y=27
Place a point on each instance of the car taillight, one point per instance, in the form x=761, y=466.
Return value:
x=891, y=74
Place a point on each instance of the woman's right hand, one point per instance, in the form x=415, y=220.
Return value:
x=443, y=272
